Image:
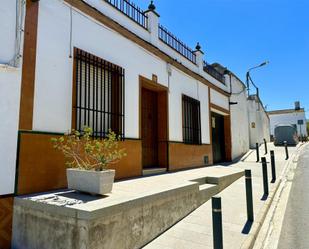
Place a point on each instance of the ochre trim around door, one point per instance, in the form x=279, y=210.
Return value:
x=74, y=89
x=162, y=112
x=151, y=85
x=28, y=68
x=219, y=108
x=228, y=138
x=209, y=117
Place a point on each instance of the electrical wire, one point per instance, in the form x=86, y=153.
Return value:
x=238, y=93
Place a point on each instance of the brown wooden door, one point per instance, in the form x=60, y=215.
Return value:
x=149, y=128
x=218, y=137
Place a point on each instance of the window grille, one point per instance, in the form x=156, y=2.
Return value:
x=99, y=95
x=191, y=120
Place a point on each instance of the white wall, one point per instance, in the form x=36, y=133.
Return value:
x=219, y=99
x=10, y=78
x=182, y=84
x=7, y=30
x=54, y=72
x=258, y=116
x=239, y=119
x=9, y=111
x=291, y=119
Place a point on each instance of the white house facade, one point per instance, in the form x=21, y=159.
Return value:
x=95, y=63
x=295, y=117
x=110, y=65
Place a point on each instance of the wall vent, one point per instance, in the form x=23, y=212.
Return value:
x=206, y=160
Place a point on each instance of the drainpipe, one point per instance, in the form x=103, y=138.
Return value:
x=19, y=21
x=169, y=74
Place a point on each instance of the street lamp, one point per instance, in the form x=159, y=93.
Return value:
x=249, y=79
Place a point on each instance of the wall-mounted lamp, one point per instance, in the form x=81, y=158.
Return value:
x=233, y=103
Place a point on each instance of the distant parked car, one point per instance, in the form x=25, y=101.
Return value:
x=286, y=133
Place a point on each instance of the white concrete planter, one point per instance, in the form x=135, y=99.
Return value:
x=90, y=181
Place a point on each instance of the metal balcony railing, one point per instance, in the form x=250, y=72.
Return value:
x=130, y=10
x=213, y=72
x=172, y=41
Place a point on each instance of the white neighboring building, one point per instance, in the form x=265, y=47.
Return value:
x=259, y=125
x=295, y=117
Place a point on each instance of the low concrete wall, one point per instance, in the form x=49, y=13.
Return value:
x=72, y=220
x=127, y=225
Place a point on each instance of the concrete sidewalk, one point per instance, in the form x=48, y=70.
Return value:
x=195, y=230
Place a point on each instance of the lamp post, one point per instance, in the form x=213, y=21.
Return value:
x=249, y=79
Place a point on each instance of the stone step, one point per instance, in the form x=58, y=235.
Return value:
x=207, y=191
x=224, y=181
x=206, y=186
x=154, y=171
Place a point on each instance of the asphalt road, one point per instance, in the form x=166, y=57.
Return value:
x=295, y=229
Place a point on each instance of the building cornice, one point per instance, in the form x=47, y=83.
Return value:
x=285, y=111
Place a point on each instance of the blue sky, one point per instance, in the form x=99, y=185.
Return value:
x=240, y=34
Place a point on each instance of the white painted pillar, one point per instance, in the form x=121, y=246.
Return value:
x=199, y=58
x=153, y=24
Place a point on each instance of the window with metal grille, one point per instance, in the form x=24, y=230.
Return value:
x=191, y=120
x=98, y=97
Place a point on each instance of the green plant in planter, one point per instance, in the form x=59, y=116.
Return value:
x=84, y=152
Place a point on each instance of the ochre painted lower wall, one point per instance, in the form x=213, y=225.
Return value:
x=183, y=156
x=131, y=165
x=42, y=168
x=6, y=211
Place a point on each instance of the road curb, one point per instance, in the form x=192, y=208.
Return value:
x=258, y=223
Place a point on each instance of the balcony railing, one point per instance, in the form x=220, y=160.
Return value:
x=130, y=10
x=172, y=41
x=213, y=72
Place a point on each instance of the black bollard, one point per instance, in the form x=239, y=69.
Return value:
x=265, y=145
x=273, y=166
x=265, y=176
x=257, y=152
x=217, y=222
x=250, y=215
x=286, y=150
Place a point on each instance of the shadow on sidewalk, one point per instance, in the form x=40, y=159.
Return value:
x=247, y=227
